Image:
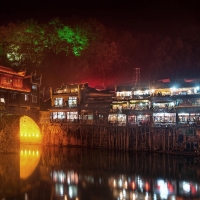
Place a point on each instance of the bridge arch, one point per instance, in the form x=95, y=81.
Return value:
x=29, y=131
x=29, y=154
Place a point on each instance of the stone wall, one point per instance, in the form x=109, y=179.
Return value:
x=59, y=135
x=9, y=134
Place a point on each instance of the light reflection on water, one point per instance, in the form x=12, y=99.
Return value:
x=71, y=173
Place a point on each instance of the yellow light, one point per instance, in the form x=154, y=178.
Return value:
x=30, y=130
x=29, y=162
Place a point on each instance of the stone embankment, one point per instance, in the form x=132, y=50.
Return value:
x=9, y=134
x=150, y=139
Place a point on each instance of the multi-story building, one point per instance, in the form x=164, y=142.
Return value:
x=131, y=106
x=176, y=103
x=161, y=104
x=19, y=92
x=65, y=103
x=79, y=103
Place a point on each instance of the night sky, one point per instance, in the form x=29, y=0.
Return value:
x=164, y=17
x=141, y=15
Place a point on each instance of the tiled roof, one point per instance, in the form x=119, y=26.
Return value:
x=11, y=71
x=16, y=89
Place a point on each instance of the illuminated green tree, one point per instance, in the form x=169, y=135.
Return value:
x=76, y=38
x=52, y=41
x=23, y=43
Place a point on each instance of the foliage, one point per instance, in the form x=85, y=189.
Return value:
x=76, y=49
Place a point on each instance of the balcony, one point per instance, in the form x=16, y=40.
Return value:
x=166, y=110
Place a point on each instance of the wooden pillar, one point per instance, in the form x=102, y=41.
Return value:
x=124, y=140
x=174, y=138
x=150, y=139
x=136, y=139
x=81, y=137
x=92, y=135
x=163, y=131
x=121, y=136
x=153, y=140
x=127, y=139
x=168, y=140
x=145, y=138
x=100, y=137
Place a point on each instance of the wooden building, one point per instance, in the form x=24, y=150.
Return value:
x=161, y=104
x=19, y=92
x=65, y=103
x=131, y=106
x=79, y=103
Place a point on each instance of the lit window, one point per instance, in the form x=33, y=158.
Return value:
x=17, y=82
x=61, y=115
x=2, y=100
x=72, y=115
x=34, y=87
x=54, y=115
x=58, y=101
x=6, y=80
x=26, y=97
x=72, y=102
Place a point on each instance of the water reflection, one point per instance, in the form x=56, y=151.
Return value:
x=29, y=160
x=46, y=174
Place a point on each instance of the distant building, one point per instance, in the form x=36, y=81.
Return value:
x=162, y=103
x=79, y=103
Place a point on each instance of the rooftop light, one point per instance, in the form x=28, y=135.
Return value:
x=173, y=89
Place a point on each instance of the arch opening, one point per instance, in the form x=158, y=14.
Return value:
x=29, y=131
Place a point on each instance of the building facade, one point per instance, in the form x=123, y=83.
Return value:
x=19, y=92
x=78, y=103
x=161, y=104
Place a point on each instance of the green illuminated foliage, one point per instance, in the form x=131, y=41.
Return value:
x=23, y=43
x=76, y=38
x=77, y=47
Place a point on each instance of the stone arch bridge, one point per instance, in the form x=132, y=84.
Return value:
x=16, y=130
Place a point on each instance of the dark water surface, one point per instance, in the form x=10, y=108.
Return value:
x=84, y=174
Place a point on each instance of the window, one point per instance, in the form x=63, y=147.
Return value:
x=13, y=96
x=34, y=87
x=72, y=102
x=54, y=115
x=34, y=99
x=2, y=100
x=58, y=101
x=26, y=97
x=6, y=80
x=17, y=82
x=61, y=115
x=72, y=115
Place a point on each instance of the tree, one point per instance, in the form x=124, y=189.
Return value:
x=23, y=43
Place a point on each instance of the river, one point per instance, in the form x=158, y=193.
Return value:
x=37, y=173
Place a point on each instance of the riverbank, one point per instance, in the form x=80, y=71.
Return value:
x=151, y=139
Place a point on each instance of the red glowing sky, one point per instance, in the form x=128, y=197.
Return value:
x=155, y=16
